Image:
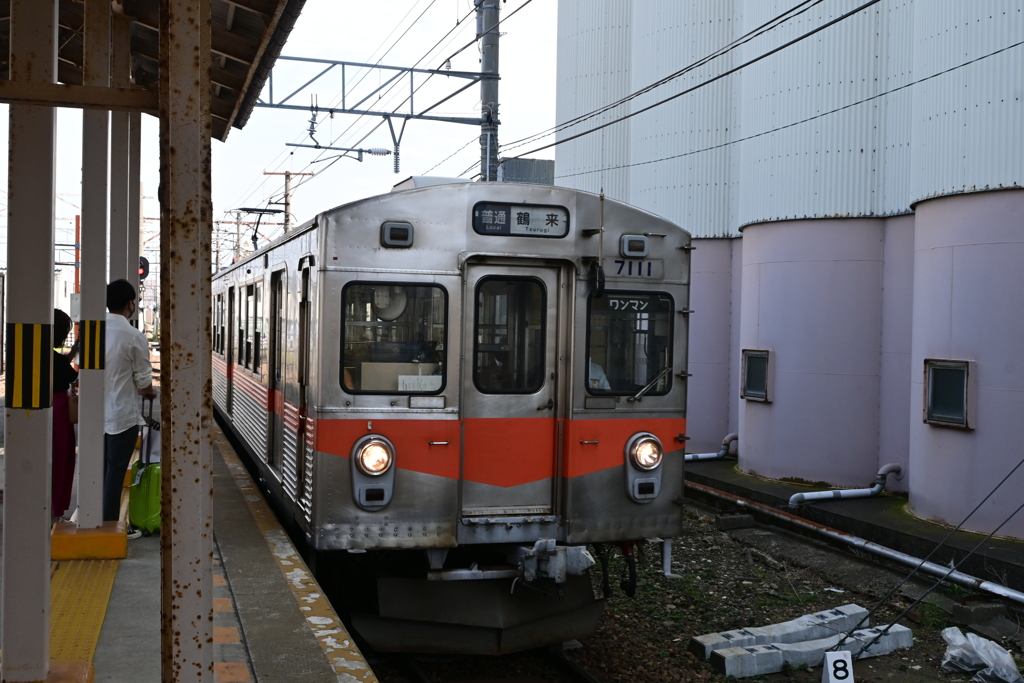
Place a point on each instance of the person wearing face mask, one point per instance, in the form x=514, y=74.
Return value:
x=128, y=375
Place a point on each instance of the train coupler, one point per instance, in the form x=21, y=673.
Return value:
x=546, y=560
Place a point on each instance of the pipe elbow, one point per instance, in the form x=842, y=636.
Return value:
x=725, y=444
x=796, y=499
x=892, y=468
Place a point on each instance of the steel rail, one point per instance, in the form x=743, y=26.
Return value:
x=959, y=578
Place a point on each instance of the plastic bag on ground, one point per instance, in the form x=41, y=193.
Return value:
x=970, y=653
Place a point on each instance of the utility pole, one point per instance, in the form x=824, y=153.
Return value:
x=287, y=195
x=238, y=235
x=487, y=34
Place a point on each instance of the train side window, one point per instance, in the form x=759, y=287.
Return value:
x=629, y=343
x=394, y=338
x=508, y=353
x=218, y=324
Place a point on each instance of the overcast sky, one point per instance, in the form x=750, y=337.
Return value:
x=355, y=31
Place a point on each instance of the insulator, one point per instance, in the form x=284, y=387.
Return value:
x=396, y=158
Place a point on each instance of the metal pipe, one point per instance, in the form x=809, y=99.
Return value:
x=666, y=559
x=959, y=578
x=891, y=468
x=691, y=457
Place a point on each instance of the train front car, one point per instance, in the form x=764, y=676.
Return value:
x=502, y=382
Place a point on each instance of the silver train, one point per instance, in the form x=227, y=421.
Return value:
x=453, y=390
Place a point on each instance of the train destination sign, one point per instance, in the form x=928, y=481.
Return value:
x=520, y=220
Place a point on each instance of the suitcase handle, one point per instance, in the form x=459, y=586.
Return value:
x=147, y=438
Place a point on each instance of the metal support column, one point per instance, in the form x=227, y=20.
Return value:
x=120, y=65
x=487, y=34
x=186, y=532
x=95, y=124
x=29, y=414
x=135, y=204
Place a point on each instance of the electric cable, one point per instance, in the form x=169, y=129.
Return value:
x=931, y=588
x=425, y=81
x=801, y=121
x=251, y=189
x=474, y=139
x=708, y=82
x=941, y=543
x=764, y=28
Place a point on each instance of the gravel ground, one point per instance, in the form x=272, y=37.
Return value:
x=748, y=577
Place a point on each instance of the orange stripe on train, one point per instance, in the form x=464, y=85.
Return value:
x=411, y=438
x=584, y=458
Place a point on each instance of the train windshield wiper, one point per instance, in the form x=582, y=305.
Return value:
x=647, y=387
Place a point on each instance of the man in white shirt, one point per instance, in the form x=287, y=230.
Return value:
x=128, y=375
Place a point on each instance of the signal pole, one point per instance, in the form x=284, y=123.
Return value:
x=287, y=195
x=487, y=33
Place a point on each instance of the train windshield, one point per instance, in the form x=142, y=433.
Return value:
x=394, y=339
x=509, y=353
x=629, y=343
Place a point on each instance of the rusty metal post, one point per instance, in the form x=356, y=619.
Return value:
x=95, y=124
x=186, y=537
x=30, y=205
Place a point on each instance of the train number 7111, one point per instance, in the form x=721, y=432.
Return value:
x=634, y=268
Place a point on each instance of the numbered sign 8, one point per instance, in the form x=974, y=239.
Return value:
x=838, y=668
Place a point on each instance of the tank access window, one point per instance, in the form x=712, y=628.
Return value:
x=394, y=338
x=629, y=343
x=508, y=353
x=758, y=375
x=949, y=387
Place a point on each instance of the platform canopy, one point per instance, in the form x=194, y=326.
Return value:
x=247, y=37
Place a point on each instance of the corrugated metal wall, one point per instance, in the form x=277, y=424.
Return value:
x=875, y=158
x=594, y=69
x=975, y=111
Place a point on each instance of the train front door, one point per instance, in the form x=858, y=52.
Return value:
x=514, y=350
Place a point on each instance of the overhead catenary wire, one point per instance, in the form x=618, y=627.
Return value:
x=709, y=81
x=801, y=121
x=283, y=156
x=425, y=81
x=764, y=28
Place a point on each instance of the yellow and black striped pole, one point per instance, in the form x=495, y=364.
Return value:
x=94, y=344
x=29, y=366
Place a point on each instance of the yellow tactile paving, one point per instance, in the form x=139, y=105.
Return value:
x=231, y=672
x=79, y=593
x=337, y=644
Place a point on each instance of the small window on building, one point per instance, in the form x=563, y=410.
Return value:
x=757, y=375
x=948, y=393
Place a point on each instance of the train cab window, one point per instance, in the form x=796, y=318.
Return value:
x=218, y=324
x=629, y=343
x=250, y=326
x=508, y=354
x=394, y=338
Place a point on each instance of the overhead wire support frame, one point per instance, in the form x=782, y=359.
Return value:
x=471, y=76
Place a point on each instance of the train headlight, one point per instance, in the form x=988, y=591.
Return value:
x=374, y=455
x=645, y=451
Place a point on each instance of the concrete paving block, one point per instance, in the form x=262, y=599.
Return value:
x=977, y=612
x=759, y=660
x=997, y=628
x=808, y=627
x=743, y=662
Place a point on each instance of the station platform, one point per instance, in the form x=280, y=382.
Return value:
x=884, y=519
x=271, y=620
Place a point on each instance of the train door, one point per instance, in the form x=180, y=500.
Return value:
x=275, y=387
x=510, y=394
x=304, y=374
x=230, y=352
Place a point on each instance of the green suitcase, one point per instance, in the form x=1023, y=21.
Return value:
x=144, y=491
